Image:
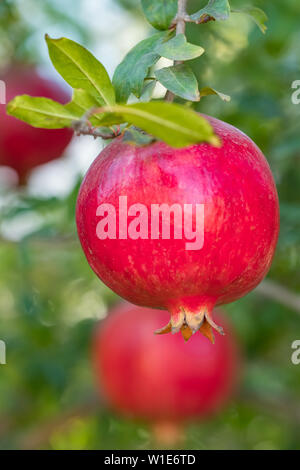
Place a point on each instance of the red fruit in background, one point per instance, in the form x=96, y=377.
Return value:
x=162, y=380
x=23, y=147
x=241, y=223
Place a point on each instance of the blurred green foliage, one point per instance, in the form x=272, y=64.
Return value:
x=50, y=300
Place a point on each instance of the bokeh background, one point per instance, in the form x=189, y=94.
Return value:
x=50, y=300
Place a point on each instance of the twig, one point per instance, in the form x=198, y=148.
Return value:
x=180, y=21
x=284, y=408
x=84, y=127
x=38, y=239
x=181, y=17
x=279, y=293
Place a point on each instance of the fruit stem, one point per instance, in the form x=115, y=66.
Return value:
x=180, y=21
x=167, y=434
x=181, y=16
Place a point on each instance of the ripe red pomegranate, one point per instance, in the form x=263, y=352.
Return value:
x=23, y=147
x=241, y=222
x=162, y=380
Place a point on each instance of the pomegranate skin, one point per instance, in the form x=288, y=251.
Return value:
x=241, y=223
x=162, y=379
x=23, y=147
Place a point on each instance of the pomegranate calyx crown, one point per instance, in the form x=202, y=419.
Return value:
x=190, y=322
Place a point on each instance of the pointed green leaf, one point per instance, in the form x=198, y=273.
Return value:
x=48, y=114
x=131, y=72
x=41, y=112
x=108, y=120
x=175, y=124
x=81, y=69
x=83, y=102
x=160, y=13
x=216, y=9
x=257, y=15
x=180, y=80
x=211, y=91
x=179, y=49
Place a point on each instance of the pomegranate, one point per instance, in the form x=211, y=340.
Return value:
x=23, y=147
x=234, y=187
x=163, y=381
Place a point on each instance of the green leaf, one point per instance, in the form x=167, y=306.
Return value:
x=41, y=112
x=48, y=114
x=175, y=124
x=131, y=72
x=81, y=103
x=148, y=91
x=81, y=69
x=179, y=49
x=216, y=9
x=160, y=13
x=83, y=100
x=211, y=91
x=180, y=80
x=257, y=15
x=136, y=137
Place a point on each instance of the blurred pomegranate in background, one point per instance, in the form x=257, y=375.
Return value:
x=23, y=147
x=162, y=379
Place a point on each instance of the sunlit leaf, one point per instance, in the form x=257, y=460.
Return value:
x=83, y=102
x=175, y=124
x=48, y=114
x=81, y=69
x=41, y=112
